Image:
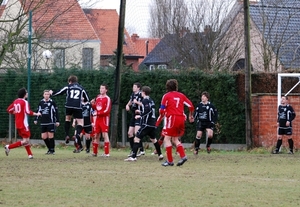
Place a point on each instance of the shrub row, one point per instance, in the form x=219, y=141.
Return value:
x=222, y=88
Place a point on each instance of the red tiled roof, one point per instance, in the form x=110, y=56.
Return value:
x=141, y=45
x=68, y=20
x=106, y=24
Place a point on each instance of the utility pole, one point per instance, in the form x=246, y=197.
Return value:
x=248, y=90
x=116, y=98
x=29, y=55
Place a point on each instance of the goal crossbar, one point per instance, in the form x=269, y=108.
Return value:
x=282, y=75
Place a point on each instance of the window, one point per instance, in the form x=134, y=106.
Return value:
x=162, y=67
x=87, y=58
x=59, y=58
x=151, y=67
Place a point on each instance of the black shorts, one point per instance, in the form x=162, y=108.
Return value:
x=134, y=122
x=146, y=130
x=202, y=126
x=87, y=129
x=77, y=113
x=48, y=128
x=285, y=131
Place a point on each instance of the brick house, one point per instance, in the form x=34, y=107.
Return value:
x=59, y=26
x=105, y=22
x=274, y=34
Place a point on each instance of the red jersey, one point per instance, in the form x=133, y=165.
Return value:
x=173, y=103
x=102, y=105
x=20, y=107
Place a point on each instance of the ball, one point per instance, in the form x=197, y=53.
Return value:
x=47, y=54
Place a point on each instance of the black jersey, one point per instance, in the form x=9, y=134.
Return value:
x=74, y=94
x=148, y=112
x=139, y=98
x=49, y=112
x=206, y=113
x=86, y=113
x=285, y=113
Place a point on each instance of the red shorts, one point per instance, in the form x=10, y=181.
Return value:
x=24, y=132
x=175, y=126
x=101, y=124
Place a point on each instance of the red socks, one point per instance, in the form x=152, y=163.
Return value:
x=106, y=148
x=169, y=154
x=28, y=150
x=95, y=148
x=180, y=150
x=15, y=145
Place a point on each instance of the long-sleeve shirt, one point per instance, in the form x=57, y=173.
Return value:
x=148, y=112
x=49, y=112
x=20, y=108
x=285, y=113
x=206, y=113
x=74, y=94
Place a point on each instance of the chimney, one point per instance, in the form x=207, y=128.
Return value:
x=183, y=31
x=207, y=29
x=147, y=47
x=134, y=37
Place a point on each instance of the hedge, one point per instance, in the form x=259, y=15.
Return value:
x=222, y=88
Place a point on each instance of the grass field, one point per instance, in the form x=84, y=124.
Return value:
x=221, y=178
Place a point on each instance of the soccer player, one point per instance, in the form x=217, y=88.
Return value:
x=74, y=95
x=286, y=115
x=49, y=119
x=172, y=107
x=20, y=108
x=87, y=127
x=133, y=105
x=206, y=115
x=148, y=120
x=102, y=107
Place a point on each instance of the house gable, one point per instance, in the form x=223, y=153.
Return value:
x=282, y=30
x=106, y=24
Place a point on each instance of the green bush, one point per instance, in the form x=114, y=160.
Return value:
x=222, y=89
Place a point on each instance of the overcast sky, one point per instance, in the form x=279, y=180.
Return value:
x=136, y=15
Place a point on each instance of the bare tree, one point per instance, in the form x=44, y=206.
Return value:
x=195, y=27
x=168, y=17
x=278, y=45
x=14, y=30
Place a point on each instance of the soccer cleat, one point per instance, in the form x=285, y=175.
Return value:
x=76, y=151
x=166, y=163
x=94, y=155
x=105, y=155
x=30, y=156
x=130, y=155
x=130, y=159
x=154, y=152
x=141, y=153
x=291, y=152
x=87, y=151
x=181, y=161
x=196, y=152
x=160, y=157
x=275, y=152
x=6, y=150
x=52, y=153
x=67, y=139
x=48, y=153
x=208, y=150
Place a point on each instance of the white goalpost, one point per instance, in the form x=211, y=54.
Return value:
x=279, y=92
